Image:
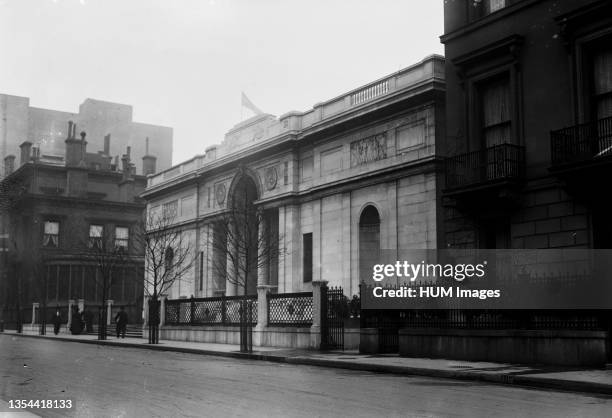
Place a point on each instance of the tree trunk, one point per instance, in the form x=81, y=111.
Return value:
x=154, y=319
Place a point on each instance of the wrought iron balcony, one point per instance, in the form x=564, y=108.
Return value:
x=585, y=143
x=488, y=166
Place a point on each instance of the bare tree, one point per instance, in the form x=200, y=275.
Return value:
x=107, y=255
x=168, y=257
x=243, y=242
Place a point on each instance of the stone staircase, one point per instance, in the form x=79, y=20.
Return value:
x=132, y=331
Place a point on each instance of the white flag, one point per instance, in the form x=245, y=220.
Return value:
x=249, y=105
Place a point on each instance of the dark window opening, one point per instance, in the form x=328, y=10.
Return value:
x=307, y=257
x=495, y=234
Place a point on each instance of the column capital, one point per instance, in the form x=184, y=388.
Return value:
x=35, y=304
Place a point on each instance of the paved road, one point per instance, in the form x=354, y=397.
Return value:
x=127, y=382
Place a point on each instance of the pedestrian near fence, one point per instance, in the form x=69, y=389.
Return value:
x=121, y=320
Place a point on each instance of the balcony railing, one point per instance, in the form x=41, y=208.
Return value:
x=581, y=143
x=496, y=163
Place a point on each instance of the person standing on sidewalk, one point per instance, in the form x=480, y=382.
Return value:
x=57, y=322
x=121, y=319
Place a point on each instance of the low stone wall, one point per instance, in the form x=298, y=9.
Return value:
x=562, y=347
x=202, y=334
x=351, y=338
x=287, y=337
x=368, y=341
x=290, y=337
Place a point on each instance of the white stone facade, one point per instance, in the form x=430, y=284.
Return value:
x=316, y=172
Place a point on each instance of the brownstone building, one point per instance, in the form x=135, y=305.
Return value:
x=529, y=120
x=56, y=210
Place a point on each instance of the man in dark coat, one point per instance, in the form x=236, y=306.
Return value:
x=76, y=325
x=121, y=319
x=57, y=322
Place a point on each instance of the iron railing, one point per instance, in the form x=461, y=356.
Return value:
x=334, y=309
x=499, y=162
x=290, y=309
x=390, y=321
x=221, y=310
x=580, y=143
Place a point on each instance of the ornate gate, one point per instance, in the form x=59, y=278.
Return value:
x=333, y=309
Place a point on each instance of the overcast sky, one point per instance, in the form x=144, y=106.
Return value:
x=184, y=63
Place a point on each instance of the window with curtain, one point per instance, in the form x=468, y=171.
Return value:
x=496, y=121
x=95, y=236
x=51, y=234
x=602, y=83
x=122, y=237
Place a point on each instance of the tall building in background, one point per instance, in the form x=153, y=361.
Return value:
x=63, y=220
x=46, y=130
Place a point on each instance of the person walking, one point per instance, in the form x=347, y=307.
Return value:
x=57, y=322
x=121, y=320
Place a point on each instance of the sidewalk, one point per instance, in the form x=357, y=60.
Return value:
x=579, y=380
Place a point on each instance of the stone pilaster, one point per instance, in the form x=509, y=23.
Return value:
x=317, y=311
x=109, y=314
x=262, y=315
x=145, y=312
x=262, y=268
x=70, y=305
x=162, y=310
x=35, y=307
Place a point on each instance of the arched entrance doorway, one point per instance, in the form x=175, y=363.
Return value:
x=369, y=242
x=243, y=236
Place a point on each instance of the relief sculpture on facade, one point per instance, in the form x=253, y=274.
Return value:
x=369, y=149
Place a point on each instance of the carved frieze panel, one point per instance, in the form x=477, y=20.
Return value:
x=369, y=149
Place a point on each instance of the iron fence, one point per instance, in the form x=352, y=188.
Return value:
x=389, y=321
x=290, y=309
x=499, y=162
x=221, y=310
x=582, y=142
x=334, y=309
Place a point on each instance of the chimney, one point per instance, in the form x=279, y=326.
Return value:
x=26, y=151
x=82, y=162
x=125, y=165
x=148, y=161
x=35, y=154
x=107, y=144
x=75, y=148
x=9, y=164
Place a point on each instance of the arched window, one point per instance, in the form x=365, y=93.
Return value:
x=369, y=241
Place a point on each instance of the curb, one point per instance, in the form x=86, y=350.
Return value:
x=500, y=378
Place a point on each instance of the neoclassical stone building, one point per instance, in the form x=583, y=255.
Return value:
x=353, y=175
